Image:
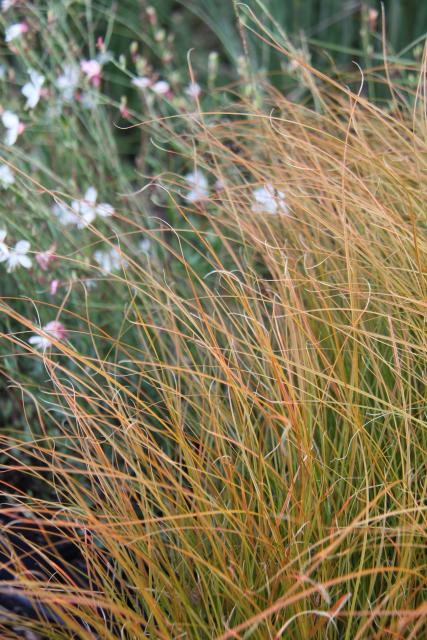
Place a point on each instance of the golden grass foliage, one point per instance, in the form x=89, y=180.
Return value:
x=245, y=457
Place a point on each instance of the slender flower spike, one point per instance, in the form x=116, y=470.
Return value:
x=193, y=90
x=15, y=31
x=32, y=89
x=54, y=329
x=68, y=81
x=268, y=199
x=92, y=69
x=4, y=251
x=6, y=176
x=17, y=256
x=199, y=186
x=13, y=127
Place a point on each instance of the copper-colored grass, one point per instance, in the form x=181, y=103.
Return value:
x=245, y=455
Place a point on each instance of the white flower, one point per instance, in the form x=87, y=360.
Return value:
x=89, y=283
x=87, y=209
x=105, y=210
x=141, y=82
x=14, y=31
x=270, y=200
x=31, y=90
x=54, y=329
x=65, y=214
x=199, y=186
x=68, y=81
x=145, y=246
x=4, y=250
x=161, y=87
x=16, y=257
x=110, y=259
x=7, y=4
x=88, y=100
x=193, y=90
x=6, y=176
x=93, y=70
x=84, y=211
x=13, y=125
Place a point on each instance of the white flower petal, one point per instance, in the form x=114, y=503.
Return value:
x=40, y=342
x=145, y=245
x=199, y=186
x=7, y=4
x=105, y=210
x=6, y=176
x=24, y=261
x=4, y=252
x=36, y=78
x=22, y=247
x=267, y=199
x=12, y=262
x=87, y=215
x=109, y=260
x=10, y=119
x=161, y=87
x=11, y=137
x=68, y=81
x=193, y=90
x=142, y=82
x=32, y=93
x=14, y=31
x=91, y=195
x=11, y=122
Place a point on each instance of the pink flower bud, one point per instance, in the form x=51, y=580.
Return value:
x=56, y=329
x=372, y=18
x=124, y=111
x=45, y=258
x=53, y=287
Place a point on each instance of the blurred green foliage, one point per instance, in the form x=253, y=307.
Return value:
x=342, y=27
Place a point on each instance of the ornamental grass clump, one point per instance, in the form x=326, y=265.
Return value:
x=231, y=440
